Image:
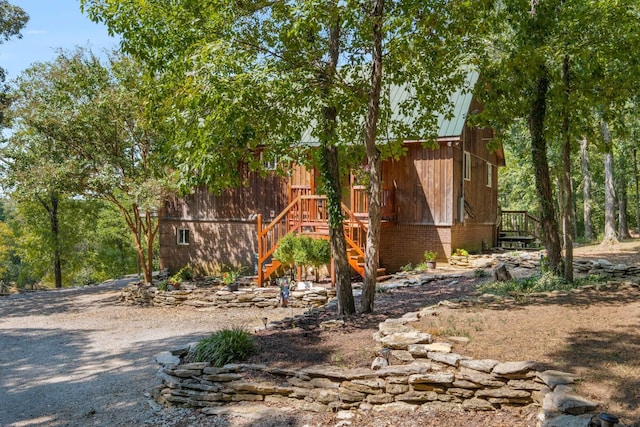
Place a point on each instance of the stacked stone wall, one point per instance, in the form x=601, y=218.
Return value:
x=193, y=296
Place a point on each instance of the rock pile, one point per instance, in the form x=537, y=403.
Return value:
x=605, y=268
x=141, y=294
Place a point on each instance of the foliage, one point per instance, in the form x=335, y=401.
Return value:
x=225, y=346
x=231, y=275
x=80, y=130
x=12, y=20
x=407, y=267
x=163, y=285
x=302, y=251
x=181, y=275
x=543, y=282
x=430, y=255
x=461, y=252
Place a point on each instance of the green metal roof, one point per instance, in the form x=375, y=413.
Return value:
x=450, y=122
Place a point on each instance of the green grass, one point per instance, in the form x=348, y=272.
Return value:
x=545, y=282
x=225, y=346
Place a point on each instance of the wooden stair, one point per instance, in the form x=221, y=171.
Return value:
x=306, y=215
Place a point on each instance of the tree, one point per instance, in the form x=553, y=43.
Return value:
x=87, y=121
x=12, y=20
x=544, y=64
x=586, y=189
x=298, y=67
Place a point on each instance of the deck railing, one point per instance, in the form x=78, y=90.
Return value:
x=519, y=225
x=360, y=202
x=306, y=215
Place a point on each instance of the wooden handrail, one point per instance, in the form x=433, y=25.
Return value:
x=306, y=211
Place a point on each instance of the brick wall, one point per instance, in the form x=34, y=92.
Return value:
x=470, y=236
x=401, y=244
x=229, y=243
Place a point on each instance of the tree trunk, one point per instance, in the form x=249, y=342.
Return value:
x=55, y=231
x=330, y=171
x=541, y=171
x=566, y=176
x=621, y=179
x=331, y=180
x=635, y=174
x=374, y=164
x=609, y=191
x=586, y=189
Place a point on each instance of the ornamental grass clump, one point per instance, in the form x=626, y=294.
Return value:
x=225, y=346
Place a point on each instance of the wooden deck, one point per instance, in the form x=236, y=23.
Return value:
x=518, y=229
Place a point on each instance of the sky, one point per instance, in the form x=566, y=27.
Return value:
x=52, y=24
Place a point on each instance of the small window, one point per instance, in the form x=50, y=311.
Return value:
x=467, y=166
x=489, y=174
x=183, y=236
x=269, y=164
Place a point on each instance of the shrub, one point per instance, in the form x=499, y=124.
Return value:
x=430, y=255
x=225, y=346
x=460, y=252
x=183, y=274
x=302, y=251
x=162, y=285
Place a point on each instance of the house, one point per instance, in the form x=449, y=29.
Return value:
x=433, y=199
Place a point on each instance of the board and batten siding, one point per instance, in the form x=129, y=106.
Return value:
x=423, y=182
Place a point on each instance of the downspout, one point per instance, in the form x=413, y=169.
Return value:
x=463, y=163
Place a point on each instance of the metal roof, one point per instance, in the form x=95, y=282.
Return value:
x=450, y=122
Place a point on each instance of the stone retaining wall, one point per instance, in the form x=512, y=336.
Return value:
x=531, y=260
x=431, y=376
x=190, y=295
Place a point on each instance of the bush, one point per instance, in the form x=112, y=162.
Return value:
x=303, y=251
x=225, y=346
x=430, y=255
x=460, y=252
x=162, y=285
x=183, y=274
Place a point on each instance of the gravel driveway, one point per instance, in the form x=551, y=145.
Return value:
x=76, y=357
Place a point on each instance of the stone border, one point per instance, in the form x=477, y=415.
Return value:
x=195, y=296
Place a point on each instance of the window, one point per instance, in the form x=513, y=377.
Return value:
x=269, y=164
x=183, y=236
x=467, y=166
x=489, y=174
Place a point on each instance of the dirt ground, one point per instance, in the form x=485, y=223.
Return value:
x=595, y=334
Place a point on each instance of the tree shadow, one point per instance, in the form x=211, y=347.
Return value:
x=69, y=300
x=55, y=377
x=609, y=357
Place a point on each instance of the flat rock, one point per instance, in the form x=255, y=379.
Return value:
x=395, y=407
x=482, y=365
x=560, y=402
x=388, y=328
x=166, y=358
x=554, y=378
x=476, y=404
x=567, y=421
x=423, y=349
x=451, y=359
x=432, y=378
x=403, y=355
x=400, y=341
x=514, y=369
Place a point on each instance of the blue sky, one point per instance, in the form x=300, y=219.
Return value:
x=52, y=24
